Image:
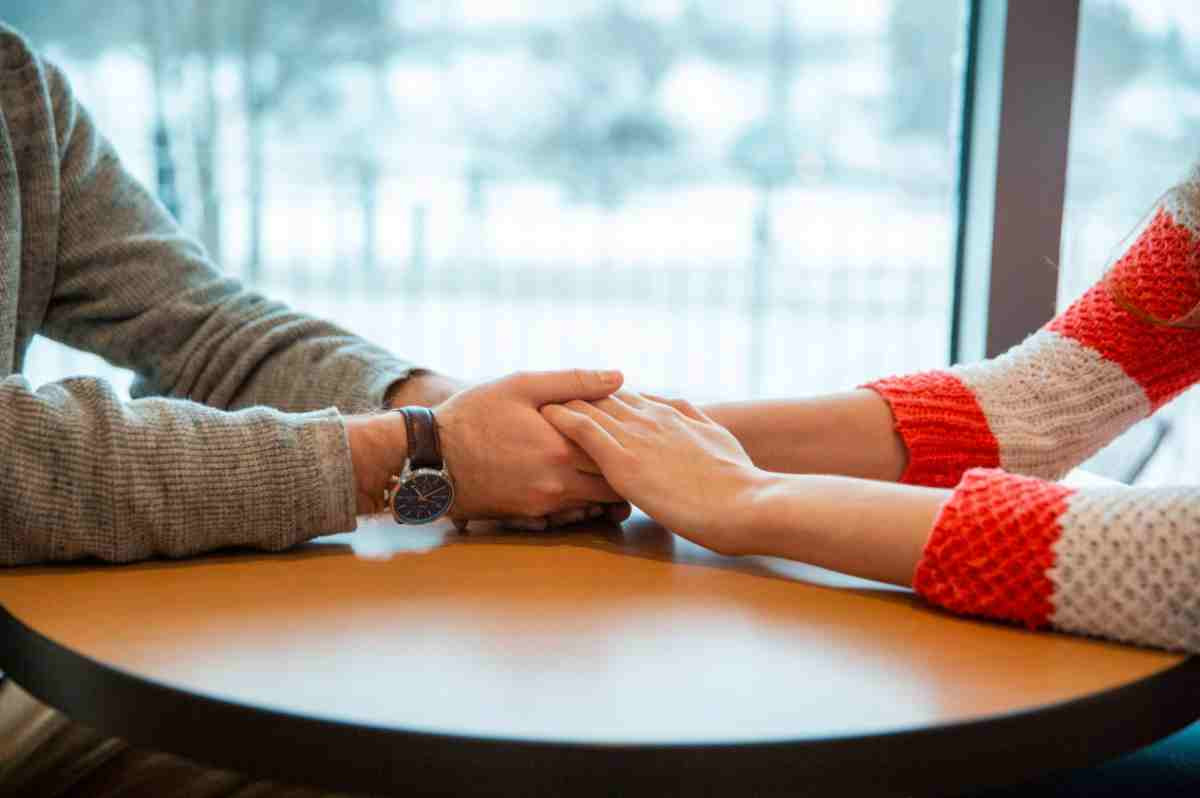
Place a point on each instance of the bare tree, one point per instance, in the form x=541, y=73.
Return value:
x=285, y=47
x=206, y=30
x=608, y=135
x=159, y=18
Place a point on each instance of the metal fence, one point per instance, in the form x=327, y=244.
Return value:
x=702, y=331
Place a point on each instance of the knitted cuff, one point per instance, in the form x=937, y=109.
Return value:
x=942, y=425
x=322, y=436
x=991, y=548
x=367, y=393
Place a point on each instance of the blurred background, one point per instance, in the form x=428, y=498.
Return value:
x=723, y=199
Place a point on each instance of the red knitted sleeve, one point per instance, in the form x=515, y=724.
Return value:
x=1114, y=561
x=991, y=547
x=942, y=425
x=1113, y=357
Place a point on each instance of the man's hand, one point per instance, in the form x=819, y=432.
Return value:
x=682, y=468
x=507, y=462
x=422, y=388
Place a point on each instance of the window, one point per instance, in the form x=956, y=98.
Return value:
x=1134, y=127
x=724, y=199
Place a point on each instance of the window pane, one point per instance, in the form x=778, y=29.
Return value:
x=1135, y=122
x=724, y=199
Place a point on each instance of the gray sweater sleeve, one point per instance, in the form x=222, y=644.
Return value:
x=133, y=288
x=84, y=473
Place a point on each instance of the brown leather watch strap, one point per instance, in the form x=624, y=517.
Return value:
x=424, y=448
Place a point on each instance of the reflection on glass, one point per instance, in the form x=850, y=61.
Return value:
x=723, y=199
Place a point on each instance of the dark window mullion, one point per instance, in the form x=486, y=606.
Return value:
x=1016, y=123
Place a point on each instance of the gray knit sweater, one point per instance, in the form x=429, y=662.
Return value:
x=235, y=436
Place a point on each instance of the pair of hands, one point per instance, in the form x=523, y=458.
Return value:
x=672, y=460
x=508, y=462
x=555, y=447
x=541, y=447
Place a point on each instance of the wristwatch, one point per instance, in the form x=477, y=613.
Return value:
x=423, y=492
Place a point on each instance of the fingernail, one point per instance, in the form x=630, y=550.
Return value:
x=610, y=377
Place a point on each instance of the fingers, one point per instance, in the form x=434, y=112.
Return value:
x=605, y=420
x=589, y=488
x=525, y=524
x=546, y=387
x=576, y=515
x=615, y=512
x=578, y=459
x=631, y=398
x=683, y=406
x=615, y=406
x=585, y=426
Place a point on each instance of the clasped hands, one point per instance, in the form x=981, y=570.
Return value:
x=539, y=448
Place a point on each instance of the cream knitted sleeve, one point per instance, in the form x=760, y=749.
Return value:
x=1119, y=562
x=1109, y=360
x=1116, y=562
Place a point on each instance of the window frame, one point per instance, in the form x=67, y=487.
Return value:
x=1015, y=126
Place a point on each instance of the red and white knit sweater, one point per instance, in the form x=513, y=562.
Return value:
x=1117, y=562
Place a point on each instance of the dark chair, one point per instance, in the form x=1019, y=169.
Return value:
x=1169, y=768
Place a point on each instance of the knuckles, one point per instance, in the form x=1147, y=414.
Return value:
x=558, y=454
x=684, y=406
x=518, y=379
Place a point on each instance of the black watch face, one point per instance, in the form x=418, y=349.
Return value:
x=422, y=498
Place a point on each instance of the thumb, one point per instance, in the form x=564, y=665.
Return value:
x=546, y=387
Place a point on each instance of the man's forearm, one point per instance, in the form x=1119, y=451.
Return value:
x=850, y=434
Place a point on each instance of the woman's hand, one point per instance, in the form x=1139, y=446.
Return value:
x=682, y=468
x=509, y=464
x=692, y=476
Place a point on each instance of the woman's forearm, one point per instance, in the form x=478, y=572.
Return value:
x=870, y=529
x=851, y=434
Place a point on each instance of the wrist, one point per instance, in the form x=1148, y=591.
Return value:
x=378, y=448
x=755, y=493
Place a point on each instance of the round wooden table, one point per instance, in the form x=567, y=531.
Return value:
x=599, y=660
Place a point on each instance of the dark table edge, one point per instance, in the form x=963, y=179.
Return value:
x=298, y=749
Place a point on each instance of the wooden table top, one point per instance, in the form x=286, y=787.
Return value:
x=594, y=638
